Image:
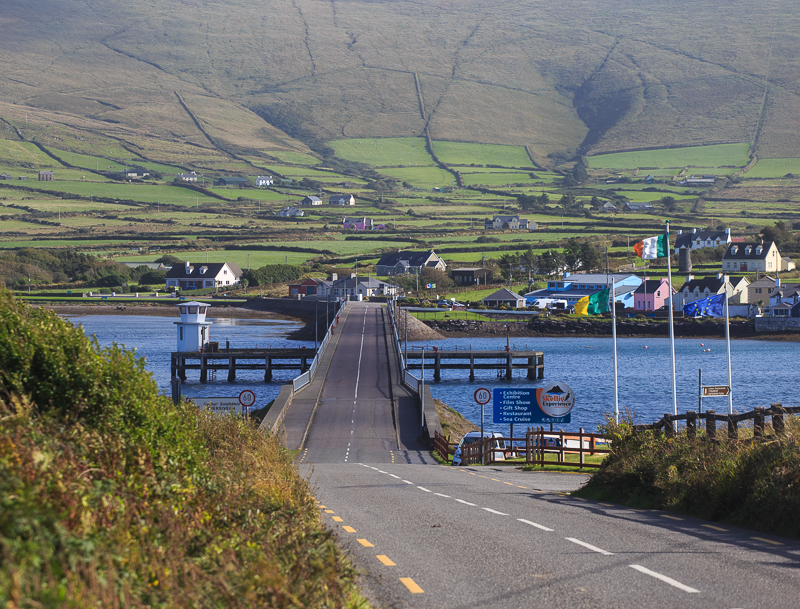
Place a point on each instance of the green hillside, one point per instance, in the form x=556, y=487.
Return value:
x=557, y=77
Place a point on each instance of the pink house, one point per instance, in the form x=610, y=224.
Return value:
x=652, y=294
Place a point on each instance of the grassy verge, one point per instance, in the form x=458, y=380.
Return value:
x=751, y=484
x=112, y=496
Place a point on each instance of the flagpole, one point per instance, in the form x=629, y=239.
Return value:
x=728, y=346
x=671, y=324
x=614, y=336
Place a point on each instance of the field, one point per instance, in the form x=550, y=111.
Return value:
x=460, y=153
x=711, y=157
x=385, y=152
x=774, y=168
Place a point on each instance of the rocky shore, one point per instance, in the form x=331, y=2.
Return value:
x=589, y=326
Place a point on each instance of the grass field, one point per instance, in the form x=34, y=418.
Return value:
x=296, y=158
x=385, y=152
x=459, y=153
x=696, y=156
x=774, y=168
x=422, y=177
x=497, y=179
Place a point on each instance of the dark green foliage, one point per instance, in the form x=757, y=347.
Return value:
x=111, y=496
x=272, y=273
x=152, y=277
x=753, y=484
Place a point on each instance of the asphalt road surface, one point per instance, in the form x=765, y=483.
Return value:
x=458, y=537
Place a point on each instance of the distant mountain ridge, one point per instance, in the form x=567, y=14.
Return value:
x=562, y=78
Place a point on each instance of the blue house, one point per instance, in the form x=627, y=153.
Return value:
x=575, y=286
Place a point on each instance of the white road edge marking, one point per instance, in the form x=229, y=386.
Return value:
x=495, y=512
x=360, y=353
x=442, y=495
x=407, y=482
x=664, y=578
x=465, y=502
x=422, y=488
x=393, y=476
x=589, y=546
x=533, y=524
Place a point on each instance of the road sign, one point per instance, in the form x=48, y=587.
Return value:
x=247, y=398
x=551, y=404
x=483, y=396
x=220, y=406
x=711, y=391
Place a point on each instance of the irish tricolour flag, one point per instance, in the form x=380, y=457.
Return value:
x=652, y=248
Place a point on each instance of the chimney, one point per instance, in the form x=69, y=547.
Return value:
x=334, y=276
x=689, y=278
x=188, y=267
x=694, y=230
x=679, y=232
x=777, y=282
x=727, y=231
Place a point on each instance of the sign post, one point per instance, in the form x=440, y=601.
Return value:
x=247, y=398
x=482, y=396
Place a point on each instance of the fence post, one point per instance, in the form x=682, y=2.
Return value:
x=711, y=425
x=562, y=456
x=691, y=424
x=758, y=423
x=777, y=419
x=733, y=429
x=528, y=446
x=580, y=444
x=669, y=426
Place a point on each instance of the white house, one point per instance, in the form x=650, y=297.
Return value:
x=507, y=222
x=311, y=200
x=290, y=212
x=188, y=177
x=190, y=276
x=342, y=200
x=703, y=287
x=699, y=239
x=264, y=181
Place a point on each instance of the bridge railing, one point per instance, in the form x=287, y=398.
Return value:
x=308, y=376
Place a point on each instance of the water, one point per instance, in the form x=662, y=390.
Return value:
x=154, y=338
x=764, y=372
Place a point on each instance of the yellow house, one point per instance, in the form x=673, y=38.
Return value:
x=751, y=258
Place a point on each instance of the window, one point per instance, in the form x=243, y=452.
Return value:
x=759, y=249
x=183, y=310
x=758, y=290
x=225, y=272
x=180, y=333
x=769, y=265
x=203, y=310
x=747, y=250
x=193, y=310
x=734, y=249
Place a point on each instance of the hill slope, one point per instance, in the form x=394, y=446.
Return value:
x=578, y=76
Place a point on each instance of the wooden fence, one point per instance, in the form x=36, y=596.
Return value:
x=668, y=423
x=538, y=444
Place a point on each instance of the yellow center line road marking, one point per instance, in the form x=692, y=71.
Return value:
x=579, y=498
x=385, y=560
x=349, y=529
x=774, y=543
x=322, y=507
x=664, y=578
x=495, y=480
x=508, y=483
x=711, y=526
x=329, y=512
x=411, y=585
x=365, y=543
x=337, y=519
x=670, y=517
x=525, y=487
x=607, y=504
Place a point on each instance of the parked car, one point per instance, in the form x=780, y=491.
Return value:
x=499, y=445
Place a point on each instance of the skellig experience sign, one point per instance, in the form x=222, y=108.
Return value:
x=550, y=404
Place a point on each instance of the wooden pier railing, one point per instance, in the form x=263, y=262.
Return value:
x=505, y=362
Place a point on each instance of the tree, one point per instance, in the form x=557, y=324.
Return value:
x=777, y=233
x=152, y=277
x=669, y=203
x=551, y=262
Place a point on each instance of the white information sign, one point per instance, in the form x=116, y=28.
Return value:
x=220, y=406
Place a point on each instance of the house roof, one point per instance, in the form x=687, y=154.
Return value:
x=406, y=258
x=234, y=179
x=651, y=286
x=713, y=284
x=765, y=282
x=596, y=278
x=311, y=198
x=686, y=239
x=212, y=269
x=504, y=294
x=506, y=218
x=790, y=289
x=741, y=251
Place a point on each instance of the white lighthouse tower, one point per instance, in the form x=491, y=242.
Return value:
x=193, y=329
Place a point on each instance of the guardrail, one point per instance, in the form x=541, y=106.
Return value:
x=308, y=376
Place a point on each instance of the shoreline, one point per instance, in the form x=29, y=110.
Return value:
x=224, y=311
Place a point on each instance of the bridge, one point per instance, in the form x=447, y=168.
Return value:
x=426, y=535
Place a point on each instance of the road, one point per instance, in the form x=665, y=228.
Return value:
x=434, y=536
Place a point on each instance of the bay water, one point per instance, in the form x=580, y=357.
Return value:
x=763, y=371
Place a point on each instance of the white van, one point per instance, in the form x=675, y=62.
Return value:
x=499, y=445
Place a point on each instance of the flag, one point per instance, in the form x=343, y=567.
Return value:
x=705, y=307
x=652, y=248
x=593, y=304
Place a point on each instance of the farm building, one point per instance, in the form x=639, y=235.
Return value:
x=264, y=181
x=46, y=176
x=311, y=200
x=637, y=207
x=290, y=212
x=188, y=177
x=471, y=276
x=231, y=181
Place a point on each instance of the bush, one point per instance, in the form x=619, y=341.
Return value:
x=113, y=496
x=153, y=277
x=753, y=484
